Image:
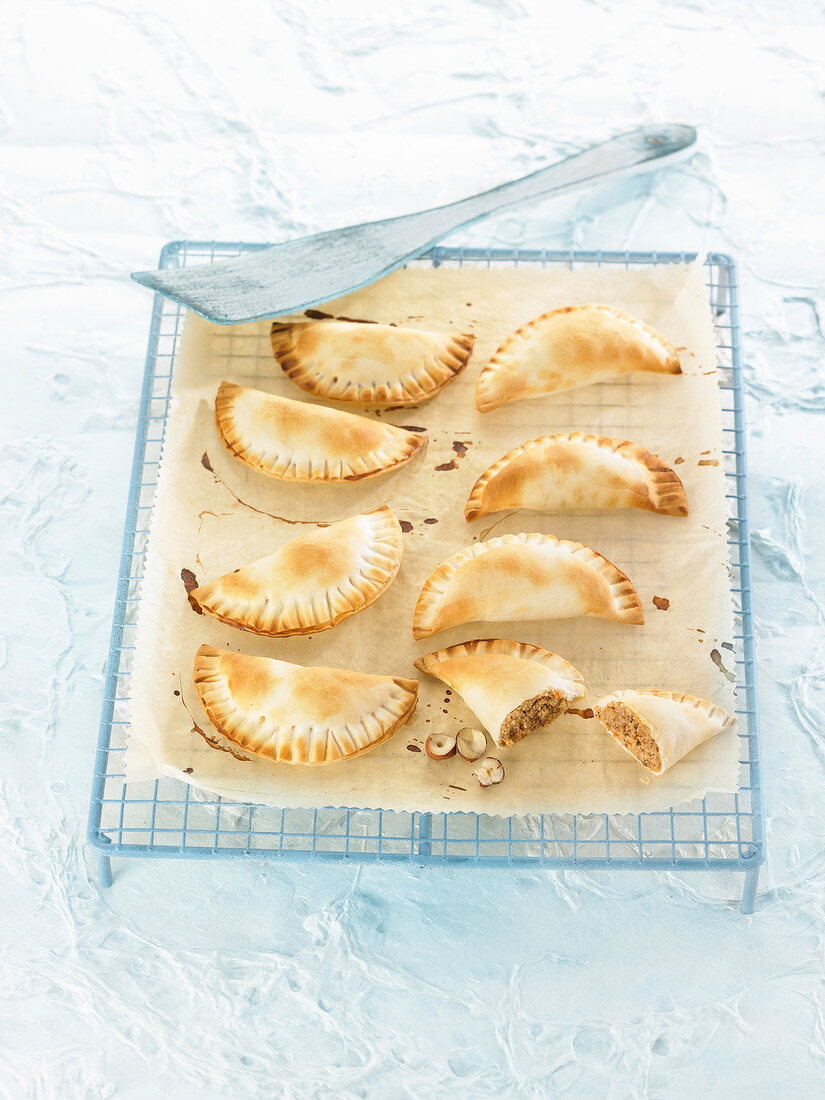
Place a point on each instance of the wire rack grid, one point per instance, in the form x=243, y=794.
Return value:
x=167, y=818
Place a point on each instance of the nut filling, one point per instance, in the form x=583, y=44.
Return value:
x=633, y=732
x=535, y=712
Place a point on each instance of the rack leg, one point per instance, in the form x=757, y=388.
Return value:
x=425, y=825
x=104, y=870
x=749, y=892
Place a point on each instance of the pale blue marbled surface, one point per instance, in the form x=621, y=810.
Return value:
x=126, y=126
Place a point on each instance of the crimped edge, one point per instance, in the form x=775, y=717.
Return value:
x=409, y=389
x=524, y=651
x=670, y=498
x=207, y=652
x=709, y=709
x=622, y=591
x=388, y=534
x=488, y=371
x=230, y=434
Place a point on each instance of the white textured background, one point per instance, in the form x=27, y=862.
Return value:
x=125, y=124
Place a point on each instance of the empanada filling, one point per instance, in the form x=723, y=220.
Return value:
x=532, y=713
x=633, y=732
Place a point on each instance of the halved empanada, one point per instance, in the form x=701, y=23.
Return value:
x=297, y=715
x=312, y=583
x=524, y=577
x=296, y=441
x=658, y=728
x=369, y=364
x=562, y=473
x=570, y=347
x=512, y=687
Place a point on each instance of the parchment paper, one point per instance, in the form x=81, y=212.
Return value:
x=199, y=523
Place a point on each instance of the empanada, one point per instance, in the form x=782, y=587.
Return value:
x=512, y=687
x=562, y=473
x=570, y=347
x=299, y=715
x=312, y=583
x=297, y=441
x=369, y=364
x=520, y=578
x=658, y=728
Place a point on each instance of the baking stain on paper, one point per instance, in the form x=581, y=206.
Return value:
x=207, y=465
x=190, y=583
x=716, y=657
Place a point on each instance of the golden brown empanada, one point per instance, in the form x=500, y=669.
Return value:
x=297, y=441
x=312, y=583
x=570, y=347
x=369, y=364
x=524, y=577
x=512, y=687
x=658, y=728
x=299, y=715
x=561, y=473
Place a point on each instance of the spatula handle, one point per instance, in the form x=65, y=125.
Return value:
x=624, y=154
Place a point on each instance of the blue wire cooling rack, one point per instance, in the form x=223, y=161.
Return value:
x=167, y=818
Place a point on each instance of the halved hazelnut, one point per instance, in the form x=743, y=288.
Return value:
x=490, y=771
x=439, y=746
x=471, y=743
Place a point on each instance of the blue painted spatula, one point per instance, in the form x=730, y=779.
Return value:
x=288, y=277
